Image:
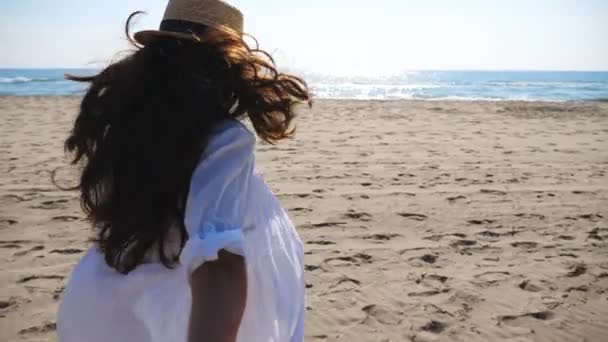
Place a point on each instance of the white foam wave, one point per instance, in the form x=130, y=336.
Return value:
x=523, y=84
x=21, y=79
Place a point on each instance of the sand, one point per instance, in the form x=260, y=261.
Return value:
x=422, y=221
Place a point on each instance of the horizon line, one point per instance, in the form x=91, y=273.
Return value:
x=343, y=75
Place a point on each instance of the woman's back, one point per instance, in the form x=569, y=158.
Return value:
x=152, y=302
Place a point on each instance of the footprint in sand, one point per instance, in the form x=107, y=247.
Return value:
x=526, y=285
x=590, y=217
x=14, y=198
x=53, y=204
x=51, y=326
x=58, y=291
x=580, y=288
x=345, y=283
x=324, y=224
x=428, y=293
x=67, y=251
x=321, y=242
x=34, y=277
x=357, y=260
x=434, y=327
x=7, y=303
x=531, y=216
x=490, y=278
x=577, y=270
x=438, y=237
x=568, y=255
x=33, y=249
x=412, y=216
x=381, y=237
x=7, y=222
x=300, y=209
x=310, y=268
x=362, y=216
x=429, y=258
x=382, y=314
x=489, y=234
x=424, y=260
x=406, y=175
x=477, y=222
x=431, y=279
x=66, y=218
x=455, y=198
x=492, y=192
x=437, y=277
x=463, y=243
x=596, y=234
x=10, y=245
x=524, y=244
x=540, y=315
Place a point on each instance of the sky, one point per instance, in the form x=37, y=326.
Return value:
x=340, y=37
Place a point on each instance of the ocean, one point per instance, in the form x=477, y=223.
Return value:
x=422, y=85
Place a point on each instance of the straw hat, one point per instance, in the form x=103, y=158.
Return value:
x=186, y=19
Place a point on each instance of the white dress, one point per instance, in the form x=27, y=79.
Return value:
x=229, y=207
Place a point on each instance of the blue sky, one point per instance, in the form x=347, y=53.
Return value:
x=335, y=36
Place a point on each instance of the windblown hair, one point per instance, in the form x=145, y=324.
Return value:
x=144, y=123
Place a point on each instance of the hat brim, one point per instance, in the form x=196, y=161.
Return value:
x=149, y=36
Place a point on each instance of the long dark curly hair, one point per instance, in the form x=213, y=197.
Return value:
x=144, y=123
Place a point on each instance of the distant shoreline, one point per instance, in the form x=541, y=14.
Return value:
x=543, y=86
x=573, y=102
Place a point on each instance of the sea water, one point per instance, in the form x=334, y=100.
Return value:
x=423, y=85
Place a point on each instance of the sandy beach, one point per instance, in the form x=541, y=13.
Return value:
x=422, y=221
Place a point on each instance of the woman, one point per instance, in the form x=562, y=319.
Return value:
x=191, y=245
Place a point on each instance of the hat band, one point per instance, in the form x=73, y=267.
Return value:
x=182, y=26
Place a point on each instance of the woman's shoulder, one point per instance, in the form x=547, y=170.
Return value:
x=230, y=134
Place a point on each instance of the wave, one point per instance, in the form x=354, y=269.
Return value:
x=438, y=98
x=420, y=85
x=22, y=79
x=554, y=84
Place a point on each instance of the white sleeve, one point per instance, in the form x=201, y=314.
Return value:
x=216, y=208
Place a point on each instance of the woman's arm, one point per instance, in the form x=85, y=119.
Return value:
x=219, y=293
